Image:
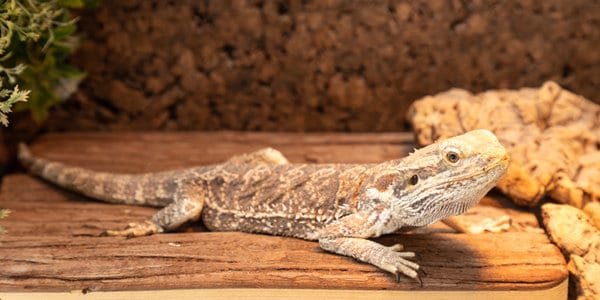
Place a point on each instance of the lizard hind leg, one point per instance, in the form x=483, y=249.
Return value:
x=186, y=207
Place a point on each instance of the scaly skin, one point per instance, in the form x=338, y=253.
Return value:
x=338, y=205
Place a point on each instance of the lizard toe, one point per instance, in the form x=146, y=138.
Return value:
x=397, y=248
x=396, y=263
x=135, y=230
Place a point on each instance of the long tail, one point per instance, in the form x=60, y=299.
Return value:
x=152, y=189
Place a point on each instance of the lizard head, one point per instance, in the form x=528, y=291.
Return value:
x=443, y=179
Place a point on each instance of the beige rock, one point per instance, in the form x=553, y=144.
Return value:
x=552, y=136
x=574, y=233
x=592, y=209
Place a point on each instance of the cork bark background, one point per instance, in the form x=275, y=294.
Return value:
x=333, y=65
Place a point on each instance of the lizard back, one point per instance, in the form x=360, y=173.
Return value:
x=291, y=199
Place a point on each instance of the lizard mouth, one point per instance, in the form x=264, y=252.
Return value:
x=503, y=161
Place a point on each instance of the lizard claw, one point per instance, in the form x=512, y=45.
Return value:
x=135, y=230
x=421, y=273
x=418, y=279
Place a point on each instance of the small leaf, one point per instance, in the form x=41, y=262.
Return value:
x=64, y=31
x=3, y=119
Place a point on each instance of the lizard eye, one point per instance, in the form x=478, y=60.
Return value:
x=452, y=156
x=414, y=179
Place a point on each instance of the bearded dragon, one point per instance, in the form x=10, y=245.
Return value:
x=339, y=205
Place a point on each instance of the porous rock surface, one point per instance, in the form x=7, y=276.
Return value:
x=333, y=65
x=575, y=234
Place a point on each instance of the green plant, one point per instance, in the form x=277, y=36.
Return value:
x=3, y=213
x=36, y=38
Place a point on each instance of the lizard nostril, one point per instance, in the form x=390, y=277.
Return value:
x=414, y=179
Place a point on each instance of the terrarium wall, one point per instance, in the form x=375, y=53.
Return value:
x=335, y=65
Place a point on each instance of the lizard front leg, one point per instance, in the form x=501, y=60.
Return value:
x=348, y=236
x=186, y=206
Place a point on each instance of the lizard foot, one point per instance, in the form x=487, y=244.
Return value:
x=393, y=260
x=135, y=229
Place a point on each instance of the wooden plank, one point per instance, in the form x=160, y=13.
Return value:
x=238, y=260
x=154, y=151
x=52, y=242
x=558, y=292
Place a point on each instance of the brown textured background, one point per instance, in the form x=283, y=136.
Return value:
x=328, y=65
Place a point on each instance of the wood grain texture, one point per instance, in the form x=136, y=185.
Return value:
x=153, y=151
x=52, y=242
